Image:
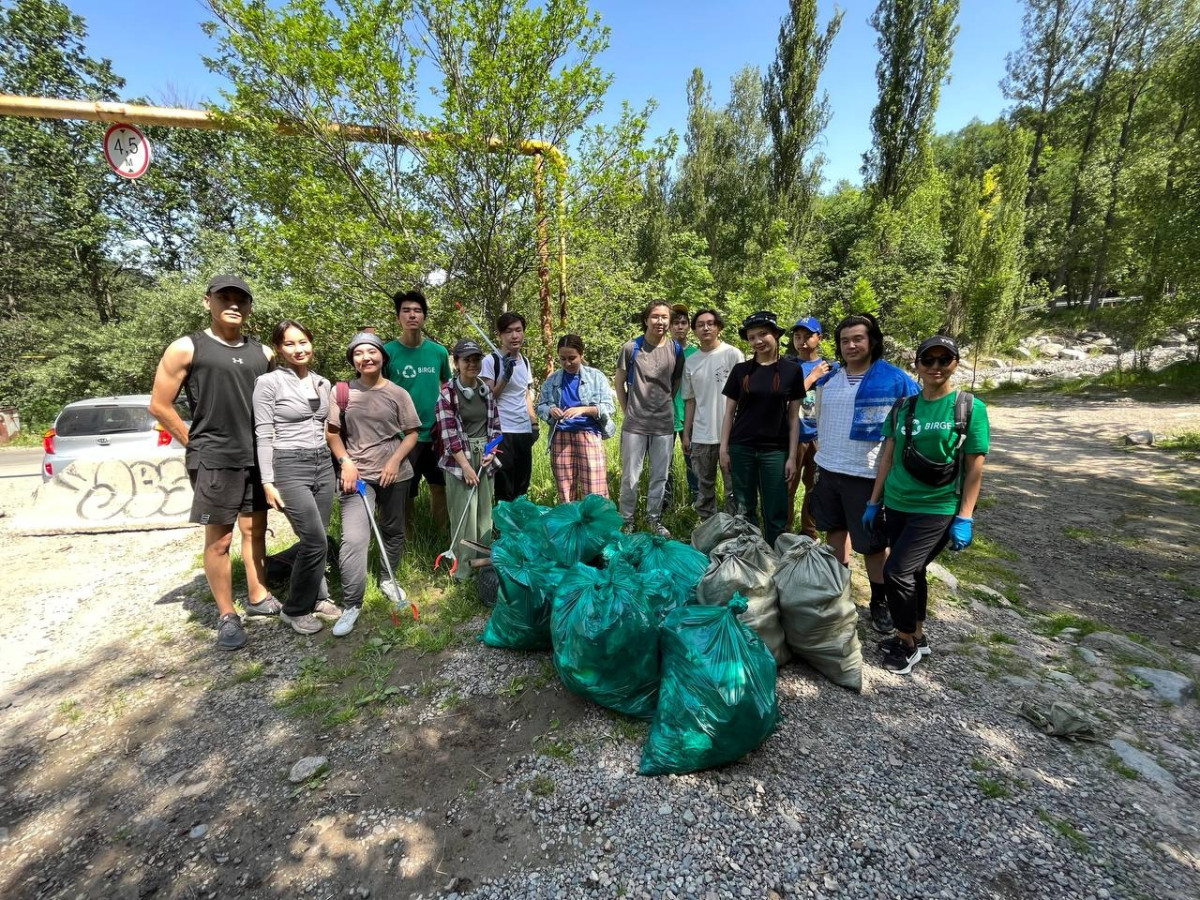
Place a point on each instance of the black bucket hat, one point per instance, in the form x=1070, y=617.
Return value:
x=761, y=319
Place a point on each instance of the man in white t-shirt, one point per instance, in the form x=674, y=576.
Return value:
x=704, y=376
x=511, y=380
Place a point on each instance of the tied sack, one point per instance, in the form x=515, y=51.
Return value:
x=744, y=565
x=719, y=528
x=819, y=617
x=717, y=700
x=579, y=530
x=606, y=638
x=528, y=577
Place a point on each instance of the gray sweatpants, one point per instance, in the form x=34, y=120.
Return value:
x=387, y=504
x=634, y=450
x=706, y=462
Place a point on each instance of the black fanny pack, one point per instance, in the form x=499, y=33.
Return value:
x=920, y=466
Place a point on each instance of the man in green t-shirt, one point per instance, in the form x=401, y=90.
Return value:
x=421, y=366
x=680, y=325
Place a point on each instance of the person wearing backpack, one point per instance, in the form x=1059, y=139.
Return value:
x=806, y=350
x=649, y=372
x=761, y=432
x=930, y=472
x=510, y=377
x=372, y=431
x=576, y=402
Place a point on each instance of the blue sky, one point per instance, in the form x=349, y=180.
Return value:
x=655, y=44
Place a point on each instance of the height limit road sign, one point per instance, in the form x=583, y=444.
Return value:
x=127, y=151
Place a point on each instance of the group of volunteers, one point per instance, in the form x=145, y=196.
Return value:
x=891, y=468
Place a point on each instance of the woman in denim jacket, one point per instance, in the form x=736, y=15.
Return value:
x=577, y=402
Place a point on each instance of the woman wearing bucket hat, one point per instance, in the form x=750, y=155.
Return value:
x=930, y=472
x=466, y=418
x=373, y=427
x=762, y=423
x=291, y=406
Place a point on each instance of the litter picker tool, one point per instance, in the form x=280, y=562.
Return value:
x=490, y=447
x=483, y=334
x=361, y=487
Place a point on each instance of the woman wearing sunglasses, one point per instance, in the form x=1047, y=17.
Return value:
x=930, y=472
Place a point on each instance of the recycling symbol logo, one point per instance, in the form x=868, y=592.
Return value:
x=408, y=372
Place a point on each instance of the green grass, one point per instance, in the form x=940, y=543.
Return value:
x=624, y=728
x=1080, y=534
x=1067, y=830
x=1191, y=496
x=1185, y=443
x=70, y=710
x=542, y=786
x=1054, y=624
x=248, y=672
x=979, y=765
x=986, y=562
x=992, y=788
x=30, y=435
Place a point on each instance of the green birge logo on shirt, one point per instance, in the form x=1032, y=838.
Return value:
x=410, y=371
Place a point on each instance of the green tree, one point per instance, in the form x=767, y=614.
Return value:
x=915, y=40
x=796, y=112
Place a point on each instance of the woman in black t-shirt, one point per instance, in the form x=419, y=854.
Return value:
x=762, y=425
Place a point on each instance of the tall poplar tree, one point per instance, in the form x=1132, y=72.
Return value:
x=796, y=113
x=915, y=41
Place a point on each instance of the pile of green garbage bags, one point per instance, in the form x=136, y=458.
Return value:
x=621, y=615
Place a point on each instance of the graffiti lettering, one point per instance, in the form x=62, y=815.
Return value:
x=139, y=489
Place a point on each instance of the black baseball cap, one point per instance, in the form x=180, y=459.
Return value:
x=228, y=281
x=467, y=347
x=938, y=340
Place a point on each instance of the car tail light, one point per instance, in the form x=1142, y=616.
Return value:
x=48, y=441
x=164, y=436
x=49, y=467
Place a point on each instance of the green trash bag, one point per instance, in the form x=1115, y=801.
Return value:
x=579, y=530
x=820, y=621
x=520, y=619
x=719, y=528
x=717, y=698
x=744, y=565
x=606, y=638
x=649, y=554
x=512, y=516
x=662, y=592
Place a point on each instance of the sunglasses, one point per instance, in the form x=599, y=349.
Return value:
x=940, y=361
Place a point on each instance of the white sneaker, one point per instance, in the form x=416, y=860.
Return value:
x=393, y=592
x=306, y=624
x=345, y=624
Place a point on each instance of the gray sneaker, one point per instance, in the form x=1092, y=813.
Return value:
x=306, y=624
x=268, y=606
x=328, y=609
x=660, y=529
x=230, y=634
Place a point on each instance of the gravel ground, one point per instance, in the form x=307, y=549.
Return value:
x=135, y=761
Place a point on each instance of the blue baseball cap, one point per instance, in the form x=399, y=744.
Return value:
x=809, y=323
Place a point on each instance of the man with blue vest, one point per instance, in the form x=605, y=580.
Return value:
x=853, y=401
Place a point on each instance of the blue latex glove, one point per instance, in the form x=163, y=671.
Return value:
x=962, y=532
x=870, y=514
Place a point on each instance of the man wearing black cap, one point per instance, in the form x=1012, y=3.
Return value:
x=217, y=368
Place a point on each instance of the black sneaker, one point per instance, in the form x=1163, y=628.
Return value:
x=899, y=657
x=923, y=646
x=881, y=619
x=230, y=634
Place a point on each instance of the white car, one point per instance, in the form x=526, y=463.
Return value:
x=107, y=428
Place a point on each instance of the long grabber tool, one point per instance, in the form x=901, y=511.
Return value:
x=490, y=447
x=483, y=334
x=361, y=487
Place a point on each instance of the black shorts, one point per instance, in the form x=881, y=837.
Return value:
x=424, y=462
x=219, y=496
x=838, y=503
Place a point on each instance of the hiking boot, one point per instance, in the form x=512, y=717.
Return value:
x=345, y=624
x=881, y=619
x=267, y=606
x=899, y=657
x=660, y=529
x=305, y=624
x=923, y=646
x=328, y=609
x=230, y=634
x=393, y=592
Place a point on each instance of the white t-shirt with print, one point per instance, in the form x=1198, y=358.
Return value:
x=704, y=377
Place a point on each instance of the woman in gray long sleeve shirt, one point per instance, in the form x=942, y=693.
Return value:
x=291, y=406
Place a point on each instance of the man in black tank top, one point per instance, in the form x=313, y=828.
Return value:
x=216, y=368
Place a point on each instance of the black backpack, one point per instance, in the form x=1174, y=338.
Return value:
x=918, y=465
